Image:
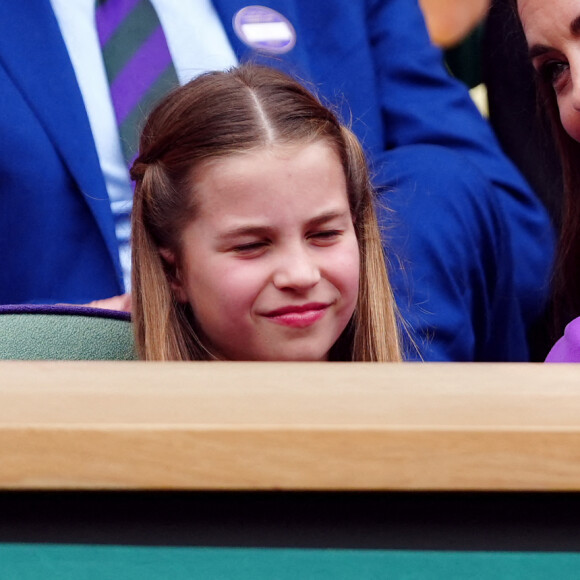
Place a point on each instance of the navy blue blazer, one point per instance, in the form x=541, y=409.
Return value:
x=470, y=246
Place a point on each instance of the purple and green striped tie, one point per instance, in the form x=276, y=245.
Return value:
x=138, y=64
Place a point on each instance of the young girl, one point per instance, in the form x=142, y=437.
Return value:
x=254, y=232
x=552, y=31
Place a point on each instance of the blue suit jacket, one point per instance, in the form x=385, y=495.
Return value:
x=470, y=244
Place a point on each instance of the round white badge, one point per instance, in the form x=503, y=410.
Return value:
x=262, y=28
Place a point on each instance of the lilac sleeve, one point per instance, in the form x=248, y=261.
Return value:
x=567, y=349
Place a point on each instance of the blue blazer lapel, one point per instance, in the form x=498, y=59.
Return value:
x=34, y=54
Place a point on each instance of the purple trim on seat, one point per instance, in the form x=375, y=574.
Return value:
x=63, y=309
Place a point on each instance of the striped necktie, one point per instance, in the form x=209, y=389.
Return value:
x=138, y=64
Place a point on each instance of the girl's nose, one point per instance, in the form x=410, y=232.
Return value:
x=296, y=269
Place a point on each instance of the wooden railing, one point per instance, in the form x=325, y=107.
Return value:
x=290, y=426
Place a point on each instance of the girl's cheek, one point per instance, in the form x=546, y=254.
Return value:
x=353, y=256
x=241, y=280
x=347, y=267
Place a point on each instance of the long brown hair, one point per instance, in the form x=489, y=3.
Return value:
x=566, y=284
x=220, y=114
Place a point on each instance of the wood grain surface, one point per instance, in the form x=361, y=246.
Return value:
x=292, y=426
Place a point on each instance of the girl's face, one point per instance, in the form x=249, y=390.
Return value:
x=552, y=29
x=270, y=265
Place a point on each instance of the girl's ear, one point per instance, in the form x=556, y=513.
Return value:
x=173, y=274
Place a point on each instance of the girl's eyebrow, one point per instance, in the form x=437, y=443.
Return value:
x=248, y=230
x=327, y=217
x=256, y=230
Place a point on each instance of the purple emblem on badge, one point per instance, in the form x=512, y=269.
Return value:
x=264, y=29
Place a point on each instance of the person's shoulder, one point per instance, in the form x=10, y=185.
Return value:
x=567, y=349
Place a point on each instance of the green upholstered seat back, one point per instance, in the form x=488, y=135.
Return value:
x=38, y=332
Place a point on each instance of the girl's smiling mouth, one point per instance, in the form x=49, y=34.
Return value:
x=298, y=316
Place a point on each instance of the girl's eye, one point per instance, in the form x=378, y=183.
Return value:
x=551, y=71
x=249, y=249
x=326, y=235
